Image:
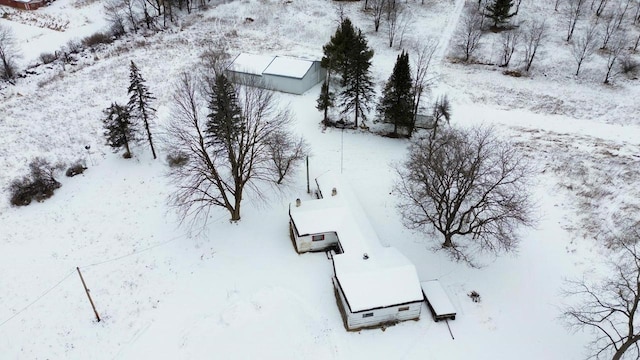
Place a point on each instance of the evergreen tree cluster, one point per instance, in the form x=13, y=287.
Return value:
x=348, y=56
x=499, y=11
x=122, y=123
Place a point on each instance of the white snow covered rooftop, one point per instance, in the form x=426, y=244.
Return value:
x=271, y=65
x=289, y=67
x=385, y=278
x=251, y=63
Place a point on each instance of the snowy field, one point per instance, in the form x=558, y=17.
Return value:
x=240, y=291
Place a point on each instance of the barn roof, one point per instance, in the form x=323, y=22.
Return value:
x=386, y=277
x=250, y=63
x=270, y=65
x=289, y=67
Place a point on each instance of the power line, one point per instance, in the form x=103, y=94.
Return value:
x=133, y=253
x=38, y=298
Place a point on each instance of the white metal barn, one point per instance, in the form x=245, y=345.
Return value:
x=278, y=73
x=374, y=285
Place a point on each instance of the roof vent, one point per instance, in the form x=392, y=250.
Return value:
x=365, y=256
x=334, y=192
x=298, y=202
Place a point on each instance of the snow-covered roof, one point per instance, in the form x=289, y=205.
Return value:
x=437, y=297
x=289, y=67
x=250, y=63
x=271, y=65
x=383, y=279
x=386, y=277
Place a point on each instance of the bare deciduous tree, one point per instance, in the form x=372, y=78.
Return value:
x=533, y=34
x=584, y=46
x=377, y=9
x=609, y=306
x=285, y=154
x=441, y=111
x=420, y=68
x=470, y=33
x=229, y=160
x=573, y=11
x=395, y=17
x=8, y=53
x=618, y=44
x=510, y=40
x=611, y=26
x=470, y=187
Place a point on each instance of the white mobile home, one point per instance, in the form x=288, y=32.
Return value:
x=374, y=285
x=277, y=73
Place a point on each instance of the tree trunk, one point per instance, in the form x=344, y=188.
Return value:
x=625, y=346
x=447, y=241
x=235, y=212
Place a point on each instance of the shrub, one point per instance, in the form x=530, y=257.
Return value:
x=629, y=66
x=48, y=58
x=39, y=184
x=97, y=39
x=75, y=169
x=177, y=159
x=73, y=46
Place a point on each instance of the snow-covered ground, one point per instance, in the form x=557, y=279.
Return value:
x=239, y=291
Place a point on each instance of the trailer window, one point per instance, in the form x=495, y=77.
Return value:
x=404, y=308
x=317, y=237
x=367, y=315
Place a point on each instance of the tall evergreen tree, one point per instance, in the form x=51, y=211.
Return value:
x=336, y=51
x=119, y=130
x=357, y=84
x=499, y=11
x=325, y=100
x=140, y=102
x=396, y=104
x=224, y=121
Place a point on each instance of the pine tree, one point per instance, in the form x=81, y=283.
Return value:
x=119, y=130
x=357, y=84
x=336, y=50
x=140, y=102
x=325, y=100
x=396, y=105
x=224, y=124
x=499, y=11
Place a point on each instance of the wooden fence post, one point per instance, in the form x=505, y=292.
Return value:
x=88, y=295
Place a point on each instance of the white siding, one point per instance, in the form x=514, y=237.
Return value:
x=306, y=243
x=381, y=316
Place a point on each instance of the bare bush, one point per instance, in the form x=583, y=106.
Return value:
x=177, y=159
x=629, y=66
x=97, y=39
x=39, y=185
x=75, y=169
x=48, y=58
x=470, y=187
x=8, y=53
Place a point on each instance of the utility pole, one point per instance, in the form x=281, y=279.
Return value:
x=308, y=188
x=88, y=295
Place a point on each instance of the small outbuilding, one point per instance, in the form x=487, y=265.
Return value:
x=23, y=4
x=279, y=73
x=376, y=289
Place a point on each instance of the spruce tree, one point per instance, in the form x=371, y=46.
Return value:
x=357, y=84
x=224, y=121
x=499, y=11
x=140, y=102
x=325, y=100
x=119, y=130
x=396, y=105
x=336, y=51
